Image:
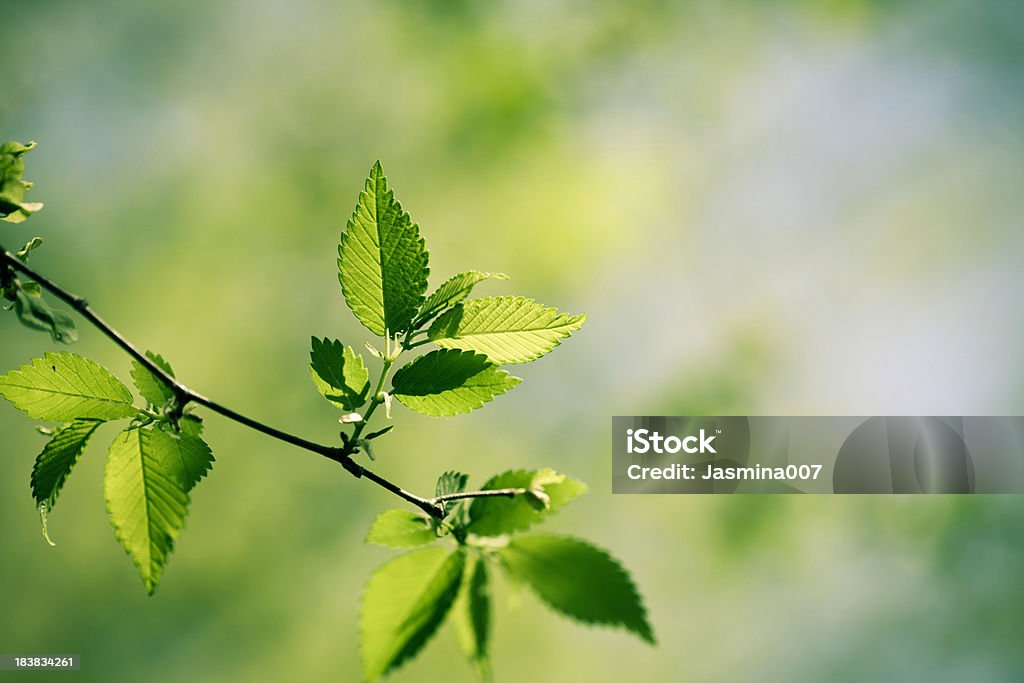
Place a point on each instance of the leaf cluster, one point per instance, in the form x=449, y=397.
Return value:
x=25, y=298
x=408, y=599
x=158, y=457
x=152, y=464
x=383, y=268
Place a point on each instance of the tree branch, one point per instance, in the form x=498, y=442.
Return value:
x=506, y=493
x=185, y=395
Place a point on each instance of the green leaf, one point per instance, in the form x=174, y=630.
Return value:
x=382, y=260
x=450, y=382
x=452, y=292
x=339, y=373
x=508, y=329
x=13, y=187
x=579, y=580
x=53, y=466
x=34, y=290
x=454, y=510
x=34, y=313
x=191, y=425
x=451, y=482
x=61, y=387
x=29, y=247
x=151, y=387
x=471, y=617
x=189, y=458
x=496, y=516
x=404, y=604
x=144, y=488
x=401, y=529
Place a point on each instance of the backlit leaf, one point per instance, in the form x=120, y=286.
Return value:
x=339, y=373
x=449, y=382
x=451, y=292
x=53, y=466
x=60, y=387
x=147, y=499
x=471, y=617
x=404, y=604
x=151, y=387
x=507, y=329
x=579, y=580
x=382, y=260
x=401, y=529
x=13, y=186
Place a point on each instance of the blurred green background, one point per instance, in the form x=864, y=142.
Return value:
x=766, y=208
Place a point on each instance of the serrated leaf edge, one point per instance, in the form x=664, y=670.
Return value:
x=482, y=401
x=47, y=358
x=567, y=325
x=34, y=476
x=647, y=635
x=152, y=582
x=364, y=315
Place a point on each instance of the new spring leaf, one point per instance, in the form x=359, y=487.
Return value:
x=404, y=604
x=450, y=382
x=60, y=387
x=53, y=466
x=146, y=482
x=151, y=387
x=34, y=313
x=401, y=529
x=451, y=292
x=578, y=580
x=471, y=617
x=13, y=207
x=339, y=373
x=508, y=329
x=382, y=260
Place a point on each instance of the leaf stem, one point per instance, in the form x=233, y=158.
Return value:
x=506, y=493
x=375, y=401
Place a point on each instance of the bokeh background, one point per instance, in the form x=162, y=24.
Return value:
x=766, y=208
